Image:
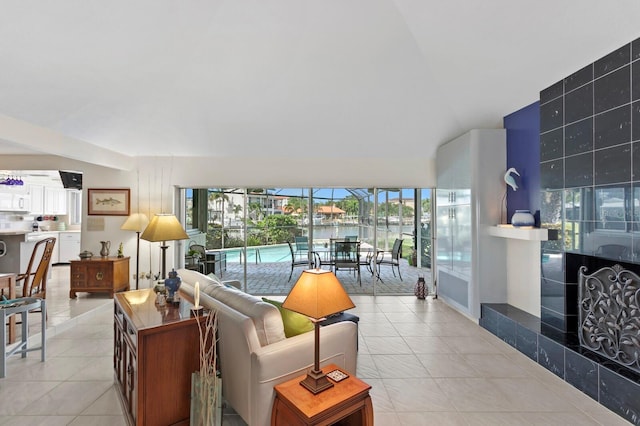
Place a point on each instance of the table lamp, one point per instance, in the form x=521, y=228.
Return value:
x=164, y=227
x=136, y=222
x=317, y=294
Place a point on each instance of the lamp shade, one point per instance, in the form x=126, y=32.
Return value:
x=318, y=294
x=164, y=227
x=136, y=222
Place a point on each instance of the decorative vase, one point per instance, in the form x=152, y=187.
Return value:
x=206, y=399
x=172, y=284
x=522, y=218
x=104, y=251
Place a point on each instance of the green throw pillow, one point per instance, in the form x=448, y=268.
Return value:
x=294, y=323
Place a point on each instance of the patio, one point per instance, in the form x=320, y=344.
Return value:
x=270, y=278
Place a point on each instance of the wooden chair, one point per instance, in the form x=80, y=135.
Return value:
x=34, y=279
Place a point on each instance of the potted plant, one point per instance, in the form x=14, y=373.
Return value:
x=192, y=257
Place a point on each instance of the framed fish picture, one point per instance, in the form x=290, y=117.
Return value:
x=108, y=202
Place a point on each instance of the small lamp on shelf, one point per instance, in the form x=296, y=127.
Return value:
x=317, y=294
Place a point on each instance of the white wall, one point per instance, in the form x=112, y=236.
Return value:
x=523, y=275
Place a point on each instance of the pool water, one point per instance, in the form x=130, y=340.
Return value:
x=266, y=254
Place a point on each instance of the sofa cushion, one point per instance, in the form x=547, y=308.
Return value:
x=294, y=323
x=207, y=283
x=265, y=316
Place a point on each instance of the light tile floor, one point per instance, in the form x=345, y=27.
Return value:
x=427, y=365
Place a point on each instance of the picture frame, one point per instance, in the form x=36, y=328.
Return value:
x=108, y=201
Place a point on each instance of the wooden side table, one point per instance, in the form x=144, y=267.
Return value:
x=347, y=402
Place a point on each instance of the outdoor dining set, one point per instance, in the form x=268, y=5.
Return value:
x=347, y=253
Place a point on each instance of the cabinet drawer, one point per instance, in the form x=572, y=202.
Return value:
x=78, y=275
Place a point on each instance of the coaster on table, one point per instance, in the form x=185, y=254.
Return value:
x=337, y=375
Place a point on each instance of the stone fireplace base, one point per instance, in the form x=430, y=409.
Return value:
x=609, y=383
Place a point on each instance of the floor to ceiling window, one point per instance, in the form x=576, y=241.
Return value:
x=265, y=237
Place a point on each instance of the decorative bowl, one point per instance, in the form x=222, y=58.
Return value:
x=86, y=255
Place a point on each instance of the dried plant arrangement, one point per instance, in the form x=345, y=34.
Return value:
x=205, y=383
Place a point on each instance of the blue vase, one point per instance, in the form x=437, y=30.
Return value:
x=522, y=218
x=172, y=284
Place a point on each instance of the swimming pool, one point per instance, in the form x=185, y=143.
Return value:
x=265, y=254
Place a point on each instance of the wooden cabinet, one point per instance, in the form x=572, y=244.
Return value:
x=155, y=352
x=99, y=275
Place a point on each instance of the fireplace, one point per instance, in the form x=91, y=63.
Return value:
x=609, y=314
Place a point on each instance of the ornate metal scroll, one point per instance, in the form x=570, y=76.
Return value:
x=609, y=315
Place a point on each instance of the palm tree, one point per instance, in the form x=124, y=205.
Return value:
x=219, y=197
x=237, y=208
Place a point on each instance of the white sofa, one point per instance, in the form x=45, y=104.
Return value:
x=254, y=353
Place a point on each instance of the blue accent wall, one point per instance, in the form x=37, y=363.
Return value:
x=523, y=153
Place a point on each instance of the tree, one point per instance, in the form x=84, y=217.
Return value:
x=237, y=208
x=295, y=205
x=255, y=211
x=278, y=228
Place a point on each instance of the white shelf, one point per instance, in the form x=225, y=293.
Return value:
x=524, y=233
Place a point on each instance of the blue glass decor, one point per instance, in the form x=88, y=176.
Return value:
x=172, y=284
x=522, y=218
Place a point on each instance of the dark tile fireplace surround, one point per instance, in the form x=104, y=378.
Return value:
x=589, y=189
x=614, y=386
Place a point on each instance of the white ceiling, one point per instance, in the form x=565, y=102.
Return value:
x=378, y=78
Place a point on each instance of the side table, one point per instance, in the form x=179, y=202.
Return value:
x=347, y=402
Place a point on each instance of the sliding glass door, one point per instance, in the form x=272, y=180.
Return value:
x=265, y=237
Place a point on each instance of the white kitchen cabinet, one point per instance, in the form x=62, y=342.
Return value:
x=69, y=246
x=47, y=200
x=470, y=263
x=36, y=194
x=14, y=202
x=55, y=200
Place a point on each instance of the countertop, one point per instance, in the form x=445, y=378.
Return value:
x=13, y=232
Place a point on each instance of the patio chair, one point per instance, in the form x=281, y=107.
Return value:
x=346, y=255
x=391, y=259
x=302, y=247
x=306, y=262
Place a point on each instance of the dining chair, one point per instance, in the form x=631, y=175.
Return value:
x=393, y=260
x=296, y=261
x=34, y=280
x=302, y=247
x=347, y=256
x=22, y=306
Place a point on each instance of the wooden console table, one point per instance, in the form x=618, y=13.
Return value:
x=155, y=352
x=347, y=402
x=99, y=275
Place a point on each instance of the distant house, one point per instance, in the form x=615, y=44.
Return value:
x=330, y=212
x=409, y=202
